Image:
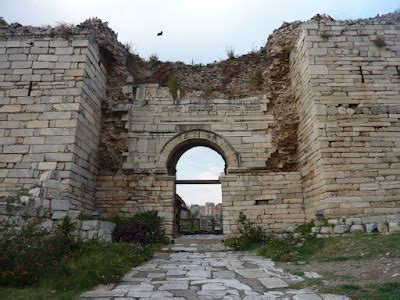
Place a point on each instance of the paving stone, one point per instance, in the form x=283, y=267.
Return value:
x=252, y=273
x=312, y=275
x=103, y=293
x=175, y=272
x=334, y=297
x=136, y=287
x=307, y=297
x=174, y=286
x=156, y=275
x=151, y=280
x=213, y=286
x=198, y=274
x=272, y=283
x=211, y=293
x=223, y=274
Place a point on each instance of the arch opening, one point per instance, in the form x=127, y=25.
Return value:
x=187, y=145
x=198, y=194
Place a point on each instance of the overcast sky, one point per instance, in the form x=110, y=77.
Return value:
x=194, y=30
x=200, y=163
x=198, y=30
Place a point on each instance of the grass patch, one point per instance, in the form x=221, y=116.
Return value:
x=173, y=86
x=359, y=246
x=291, y=249
x=36, y=263
x=385, y=291
x=297, y=272
x=92, y=264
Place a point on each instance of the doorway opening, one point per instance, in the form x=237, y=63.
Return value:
x=198, y=198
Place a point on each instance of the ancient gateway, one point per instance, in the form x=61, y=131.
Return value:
x=308, y=125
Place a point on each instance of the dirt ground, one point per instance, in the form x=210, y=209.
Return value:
x=358, y=272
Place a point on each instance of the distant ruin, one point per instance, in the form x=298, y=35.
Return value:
x=308, y=126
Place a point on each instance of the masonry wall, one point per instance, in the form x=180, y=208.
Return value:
x=155, y=118
x=50, y=90
x=271, y=200
x=125, y=194
x=309, y=144
x=352, y=90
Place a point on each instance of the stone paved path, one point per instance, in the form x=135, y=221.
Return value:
x=209, y=275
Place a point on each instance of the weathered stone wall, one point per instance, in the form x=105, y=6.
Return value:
x=320, y=121
x=349, y=137
x=309, y=153
x=125, y=194
x=50, y=115
x=273, y=200
x=156, y=119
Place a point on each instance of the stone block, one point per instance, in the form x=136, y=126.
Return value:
x=318, y=69
x=45, y=57
x=83, y=234
x=326, y=230
x=373, y=219
x=104, y=235
x=58, y=43
x=338, y=229
x=57, y=215
x=315, y=229
x=47, y=165
x=74, y=214
x=393, y=218
x=80, y=43
x=21, y=65
x=357, y=228
x=64, y=51
x=90, y=225
x=333, y=221
x=47, y=224
x=353, y=221
x=57, y=204
x=371, y=227
x=74, y=72
x=273, y=283
x=394, y=227
x=92, y=234
x=10, y=158
x=107, y=226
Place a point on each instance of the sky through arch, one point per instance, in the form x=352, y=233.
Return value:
x=200, y=163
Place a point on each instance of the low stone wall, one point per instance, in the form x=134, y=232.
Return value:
x=368, y=224
x=96, y=230
x=18, y=207
x=273, y=200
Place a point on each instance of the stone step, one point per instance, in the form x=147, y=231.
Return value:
x=195, y=247
x=187, y=241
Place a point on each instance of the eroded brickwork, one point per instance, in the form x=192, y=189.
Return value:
x=347, y=83
x=309, y=124
x=50, y=115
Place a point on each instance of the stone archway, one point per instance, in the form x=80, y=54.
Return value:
x=179, y=144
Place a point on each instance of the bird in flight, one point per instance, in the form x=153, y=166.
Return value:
x=160, y=33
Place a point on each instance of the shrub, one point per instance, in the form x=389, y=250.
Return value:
x=257, y=79
x=230, y=52
x=173, y=86
x=153, y=60
x=143, y=228
x=325, y=35
x=250, y=235
x=25, y=254
x=379, y=41
x=293, y=247
x=66, y=29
